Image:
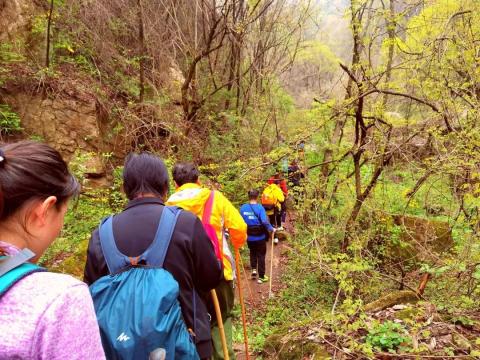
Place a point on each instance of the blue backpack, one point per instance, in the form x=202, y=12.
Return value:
x=137, y=306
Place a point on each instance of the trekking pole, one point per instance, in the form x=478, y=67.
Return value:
x=242, y=303
x=246, y=280
x=270, y=293
x=220, y=323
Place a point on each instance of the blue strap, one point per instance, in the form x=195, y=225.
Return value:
x=156, y=252
x=14, y=268
x=8, y=263
x=115, y=260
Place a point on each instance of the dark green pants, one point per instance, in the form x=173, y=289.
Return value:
x=226, y=299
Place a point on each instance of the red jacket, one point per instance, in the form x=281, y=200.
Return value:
x=280, y=182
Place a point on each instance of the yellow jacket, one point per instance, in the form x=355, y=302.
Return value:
x=192, y=197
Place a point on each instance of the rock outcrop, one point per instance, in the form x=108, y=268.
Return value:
x=68, y=125
x=15, y=17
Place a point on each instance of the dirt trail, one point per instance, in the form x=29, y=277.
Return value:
x=256, y=295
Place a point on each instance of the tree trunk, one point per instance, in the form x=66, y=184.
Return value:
x=391, y=30
x=141, y=40
x=49, y=25
x=340, y=123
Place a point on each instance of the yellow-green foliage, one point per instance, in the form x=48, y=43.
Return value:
x=318, y=53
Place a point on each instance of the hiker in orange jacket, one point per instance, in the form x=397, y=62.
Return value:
x=223, y=216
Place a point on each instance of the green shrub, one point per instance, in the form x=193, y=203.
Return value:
x=9, y=120
x=387, y=336
x=8, y=54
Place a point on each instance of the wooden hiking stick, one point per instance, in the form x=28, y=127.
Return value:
x=220, y=323
x=242, y=303
x=270, y=294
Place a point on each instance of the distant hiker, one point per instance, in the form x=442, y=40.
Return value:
x=295, y=176
x=43, y=315
x=218, y=215
x=279, y=180
x=272, y=199
x=144, y=236
x=258, y=230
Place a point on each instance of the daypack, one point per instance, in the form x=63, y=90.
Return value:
x=15, y=268
x=137, y=305
x=269, y=196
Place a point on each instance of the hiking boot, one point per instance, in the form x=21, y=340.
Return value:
x=275, y=240
x=254, y=273
x=263, y=279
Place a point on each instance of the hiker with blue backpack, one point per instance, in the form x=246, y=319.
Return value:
x=149, y=268
x=258, y=231
x=43, y=315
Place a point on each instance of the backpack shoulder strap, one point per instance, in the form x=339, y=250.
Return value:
x=113, y=257
x=8, y=263
x=156, y=252
x=14, y=268
x=207, y=211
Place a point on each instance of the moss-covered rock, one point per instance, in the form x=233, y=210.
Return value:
x=394, y=298
x=289, y=344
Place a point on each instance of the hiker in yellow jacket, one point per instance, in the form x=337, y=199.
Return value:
x=272, y=200
x=216, y=212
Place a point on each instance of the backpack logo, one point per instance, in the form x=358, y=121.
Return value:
x=123, y=337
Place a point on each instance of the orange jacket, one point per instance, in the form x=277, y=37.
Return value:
x=192, y=197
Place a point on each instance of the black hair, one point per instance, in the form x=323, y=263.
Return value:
x=253, y=194
x=144, y=173
x=32, y=171
x=184, y=173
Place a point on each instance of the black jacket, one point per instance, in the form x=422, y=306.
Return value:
x=190, y=259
